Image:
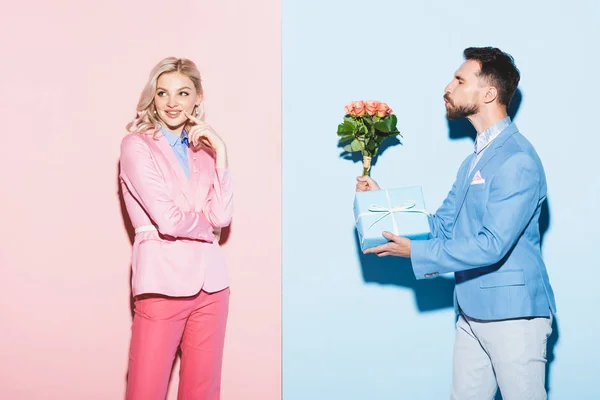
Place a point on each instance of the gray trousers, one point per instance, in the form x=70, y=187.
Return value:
x=509, y=354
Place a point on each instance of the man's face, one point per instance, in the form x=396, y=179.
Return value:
x=464, y=93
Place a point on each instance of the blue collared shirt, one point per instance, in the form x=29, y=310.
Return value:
x=484, y=139
x=180, y=149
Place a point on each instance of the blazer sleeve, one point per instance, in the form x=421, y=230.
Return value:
x=513, y=198
x=442, y=222
x=218, y=209
x=142, y=177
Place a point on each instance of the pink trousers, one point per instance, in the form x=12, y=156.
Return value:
x=160, y=325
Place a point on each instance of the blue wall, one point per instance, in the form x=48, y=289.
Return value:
x=359, y=327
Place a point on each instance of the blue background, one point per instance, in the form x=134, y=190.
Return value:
x=357, y=327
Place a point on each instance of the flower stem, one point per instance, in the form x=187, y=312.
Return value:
x=366, y=165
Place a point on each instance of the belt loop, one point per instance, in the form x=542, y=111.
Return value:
x=146, y=228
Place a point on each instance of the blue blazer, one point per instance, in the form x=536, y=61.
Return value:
x=487, y=233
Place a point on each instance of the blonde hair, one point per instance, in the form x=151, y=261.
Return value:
x=146, y=120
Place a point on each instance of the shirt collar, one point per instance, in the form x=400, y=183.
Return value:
x=485, y=138
x=172, y=138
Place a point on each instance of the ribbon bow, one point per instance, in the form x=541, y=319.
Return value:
x=185, y=141
x=407, y=206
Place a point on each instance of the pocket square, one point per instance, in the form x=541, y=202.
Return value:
x=477, y=179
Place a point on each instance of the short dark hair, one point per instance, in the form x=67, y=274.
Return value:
x=499, y=67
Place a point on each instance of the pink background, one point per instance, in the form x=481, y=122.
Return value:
x=71, y=76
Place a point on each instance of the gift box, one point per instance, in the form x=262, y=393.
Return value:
x=400, y=211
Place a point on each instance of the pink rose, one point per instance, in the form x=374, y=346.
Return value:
x=372, y=106
x=383, y=110
x=358, y=108
x=348, y=108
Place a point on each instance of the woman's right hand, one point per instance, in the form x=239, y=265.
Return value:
x=365, y=183
x=202, y=132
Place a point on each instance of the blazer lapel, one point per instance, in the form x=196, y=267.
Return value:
x=167, y=151
x=488, y=154
x=462, y=187
x=203, y=162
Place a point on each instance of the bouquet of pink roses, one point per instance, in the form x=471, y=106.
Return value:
x=366, y=125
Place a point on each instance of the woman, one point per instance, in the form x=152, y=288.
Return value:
x=178, y=199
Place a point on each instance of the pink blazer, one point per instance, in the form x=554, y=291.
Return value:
x=175, y=251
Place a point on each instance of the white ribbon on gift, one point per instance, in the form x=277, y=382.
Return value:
x=407, y=206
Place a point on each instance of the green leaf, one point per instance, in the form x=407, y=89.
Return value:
x=350, y=119
x=362, y=129
x=372, y=146
x=348, y=148
x=356, y=145
x=385, y=125
x=346, y=128
x=346, y=138
x=394, y=121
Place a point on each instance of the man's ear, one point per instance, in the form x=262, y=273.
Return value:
x=491, y=94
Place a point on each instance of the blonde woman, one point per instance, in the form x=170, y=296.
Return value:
x=177, y=190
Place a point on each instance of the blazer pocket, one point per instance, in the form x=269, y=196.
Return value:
x=503, y=278
x=477, y=187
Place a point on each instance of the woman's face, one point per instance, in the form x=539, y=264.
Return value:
x=175, y=93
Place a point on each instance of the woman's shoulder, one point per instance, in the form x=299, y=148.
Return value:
x=136, y=142
x=136, y=138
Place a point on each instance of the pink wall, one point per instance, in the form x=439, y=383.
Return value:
x=71, y=76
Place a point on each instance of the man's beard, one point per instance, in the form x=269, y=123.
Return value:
x=461, y=112
x=458, y=112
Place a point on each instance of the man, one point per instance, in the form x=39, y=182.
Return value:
x=487, y=233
